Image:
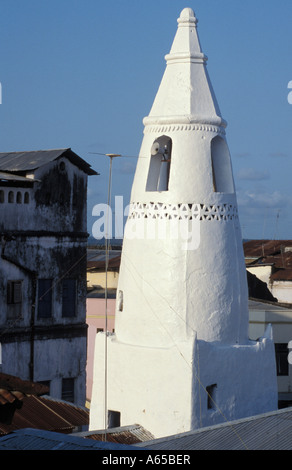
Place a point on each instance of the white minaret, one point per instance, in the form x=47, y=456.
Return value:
x=181, y=357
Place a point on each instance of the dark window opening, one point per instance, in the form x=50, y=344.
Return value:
x=47, y=383
x=281, y=350
x=62, y=166
x=211, y=389
x=14, y=299
x=114, y=419
x=120, y=300
x=18, y=197
x=14, y=295
x=68, y=297
x=68, y=386
x=159, y=169
x=221, y=166
x=11, y=196
x=2, y=196
x=26, y=198
x=44, y=298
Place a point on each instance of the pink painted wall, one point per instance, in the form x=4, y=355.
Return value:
x=95, y=318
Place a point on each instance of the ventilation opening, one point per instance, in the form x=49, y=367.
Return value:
x=114, y=419
x=120, y=300
x=211, y=392
x=159, y=169
x=221, y=166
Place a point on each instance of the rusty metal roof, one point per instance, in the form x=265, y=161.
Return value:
x=9, y=397
x=31, y=160
x=122, y=435
x=48, y=414
x=282, y=275
x=275, y=253
x=264, y=248
x=13, y=383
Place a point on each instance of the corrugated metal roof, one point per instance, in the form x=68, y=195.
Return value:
x=259, y=248
x=47, y=414
x=31, y=160
x=7, y=396
x=12, y=383
x=269, y=431
x=122, y=435
x=34, y=439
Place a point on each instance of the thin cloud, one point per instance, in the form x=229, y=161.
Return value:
x=251, y=174
x=278, y=155
x=263, y=199
x=242, y=155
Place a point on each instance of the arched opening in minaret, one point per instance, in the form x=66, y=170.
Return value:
x=221, y=166
x=159, y=168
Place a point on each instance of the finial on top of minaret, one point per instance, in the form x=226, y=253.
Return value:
x=186, y=44
x=185, y=94
x=187, y=16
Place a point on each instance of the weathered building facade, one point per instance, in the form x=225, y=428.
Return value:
x=43, y=230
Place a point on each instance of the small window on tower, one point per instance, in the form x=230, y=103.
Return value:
x=211, y=390
x=159, y=169
x=120, y=300
x=114, y=419
x=221, y=166
x=281, y=350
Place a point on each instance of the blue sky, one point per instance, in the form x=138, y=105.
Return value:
x=84, y=73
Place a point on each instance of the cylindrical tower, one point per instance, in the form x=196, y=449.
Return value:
x=182, y=268
x=180, y=357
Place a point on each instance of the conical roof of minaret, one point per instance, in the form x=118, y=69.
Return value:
x=185, y=94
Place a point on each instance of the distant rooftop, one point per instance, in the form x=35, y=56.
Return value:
x=276, y=253
x=31, y=160
x=35, y=439
x=264, y=248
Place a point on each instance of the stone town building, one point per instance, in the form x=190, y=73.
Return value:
x=43, y=233
x=181, y=357
x=271, y=262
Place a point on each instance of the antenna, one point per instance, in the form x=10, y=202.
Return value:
x=111, y=156
x=277, y=220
